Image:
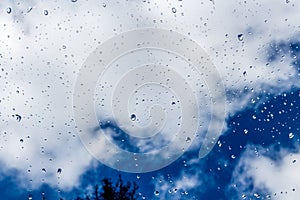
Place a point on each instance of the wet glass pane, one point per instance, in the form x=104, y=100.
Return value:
x=143, y=99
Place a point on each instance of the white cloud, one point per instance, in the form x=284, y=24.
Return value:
x=53, y=47
x=272, y=178
x=179, y=187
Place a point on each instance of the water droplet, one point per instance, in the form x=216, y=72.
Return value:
x=44, y=170
x=188, y=139
x=21, y=140
x=29, y=197
x=246, y=131
x=74, y=1
x=240, y=37
x=45, y=12
x=104, y=5
x=233, y=156
x=291, y=135
x=59, y=170
x=133, y=117
x=156, y=193
x=256, y=195
x=29, y=10
x=219, y=143
x=253, y=117
x=174, y=10
x=294, y=160
x=18, y=117
x=8, y=10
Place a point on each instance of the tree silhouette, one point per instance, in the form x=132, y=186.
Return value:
x=119, y=191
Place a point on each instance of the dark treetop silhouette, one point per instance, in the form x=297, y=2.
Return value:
x=110, y=191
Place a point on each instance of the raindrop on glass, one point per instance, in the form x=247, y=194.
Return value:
x=8, y=10
x=291, y=135
x=45, y=12
x=219, y=143
x=18, y=117
x=133, y=117
x=188, y=139
x=256, y=195
x=240, y=37
x=59, y=170
x=44, y=170
x=174, y=10
x=156, y=193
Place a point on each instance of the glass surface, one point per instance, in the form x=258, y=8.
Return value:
x=187, y=99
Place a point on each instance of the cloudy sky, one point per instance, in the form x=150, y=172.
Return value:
x=253, y=45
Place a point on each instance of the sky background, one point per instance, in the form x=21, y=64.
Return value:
x=255, y=46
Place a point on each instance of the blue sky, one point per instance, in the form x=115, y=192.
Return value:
x=256, y=156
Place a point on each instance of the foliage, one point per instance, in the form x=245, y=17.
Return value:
x=110, y=191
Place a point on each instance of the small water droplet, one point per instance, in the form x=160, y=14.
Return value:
x=256, y=195
x=133, y=117
x=29, y=197
x=59, y=170
x=18, y=117
x=74, y=1
x=188, y=139
x=8, y=10
x=174, y=10
x=44, y=170
x=29, y=10
x=104, y=5
x=219, y=143
x=240, y=37
x=233, y=156
x=21, y=140
x=156, y=193
x=45, y=12
x=246, y=131
x=294, y=160
x=291, y=135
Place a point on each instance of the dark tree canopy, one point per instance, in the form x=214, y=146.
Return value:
x=110, y=191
